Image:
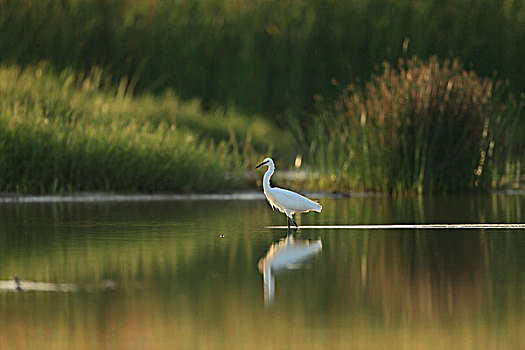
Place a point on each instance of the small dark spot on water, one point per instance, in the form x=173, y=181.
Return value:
x=17, y=281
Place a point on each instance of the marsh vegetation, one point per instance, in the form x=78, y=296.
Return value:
x=187, y=96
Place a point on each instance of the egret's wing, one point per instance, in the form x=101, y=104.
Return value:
x=294, y=201
x=273, y=203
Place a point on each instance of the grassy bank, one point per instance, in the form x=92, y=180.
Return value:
x=64, y=132
x=420, y=126
x=262, y=56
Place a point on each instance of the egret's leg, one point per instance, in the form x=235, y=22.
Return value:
x=288, y=221
x=296, y=226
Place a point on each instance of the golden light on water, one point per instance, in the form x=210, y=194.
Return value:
x=178, y=284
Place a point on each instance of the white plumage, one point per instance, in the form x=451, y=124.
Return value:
x=285, y=201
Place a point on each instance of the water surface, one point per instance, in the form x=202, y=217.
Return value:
x=191, y=274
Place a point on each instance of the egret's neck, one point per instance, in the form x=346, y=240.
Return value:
x=267, y=176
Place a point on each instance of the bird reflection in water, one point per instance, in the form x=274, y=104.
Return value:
x=288, y=253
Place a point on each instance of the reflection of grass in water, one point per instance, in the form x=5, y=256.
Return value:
x=62, y=132
x=122, y=239
x=203, y=288
x=133, y=323
x=136, y=237
x=404, y=289
x=396, y=306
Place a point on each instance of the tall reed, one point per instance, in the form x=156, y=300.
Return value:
x=420, y=126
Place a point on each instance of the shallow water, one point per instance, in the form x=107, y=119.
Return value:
x=159, y=274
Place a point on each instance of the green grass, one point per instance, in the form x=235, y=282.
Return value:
x=65, y=132
x=263, y=56
x=423, y=126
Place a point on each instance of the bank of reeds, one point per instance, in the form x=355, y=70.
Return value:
x=65, y=132
x=263, y=56
x=420, y=126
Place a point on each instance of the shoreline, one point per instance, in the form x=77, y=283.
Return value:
x=88, y=197
x=100, y=197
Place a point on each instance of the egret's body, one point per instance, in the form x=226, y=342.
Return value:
x=285, y=201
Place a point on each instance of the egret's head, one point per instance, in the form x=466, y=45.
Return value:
x=267, y=161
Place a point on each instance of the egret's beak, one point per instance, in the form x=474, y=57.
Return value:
x=260, y=165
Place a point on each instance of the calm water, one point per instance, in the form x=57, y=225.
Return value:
x=158, y=275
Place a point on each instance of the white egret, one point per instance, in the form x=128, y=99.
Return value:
x=286, y=201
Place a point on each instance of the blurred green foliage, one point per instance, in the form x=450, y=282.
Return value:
x=263, y=56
